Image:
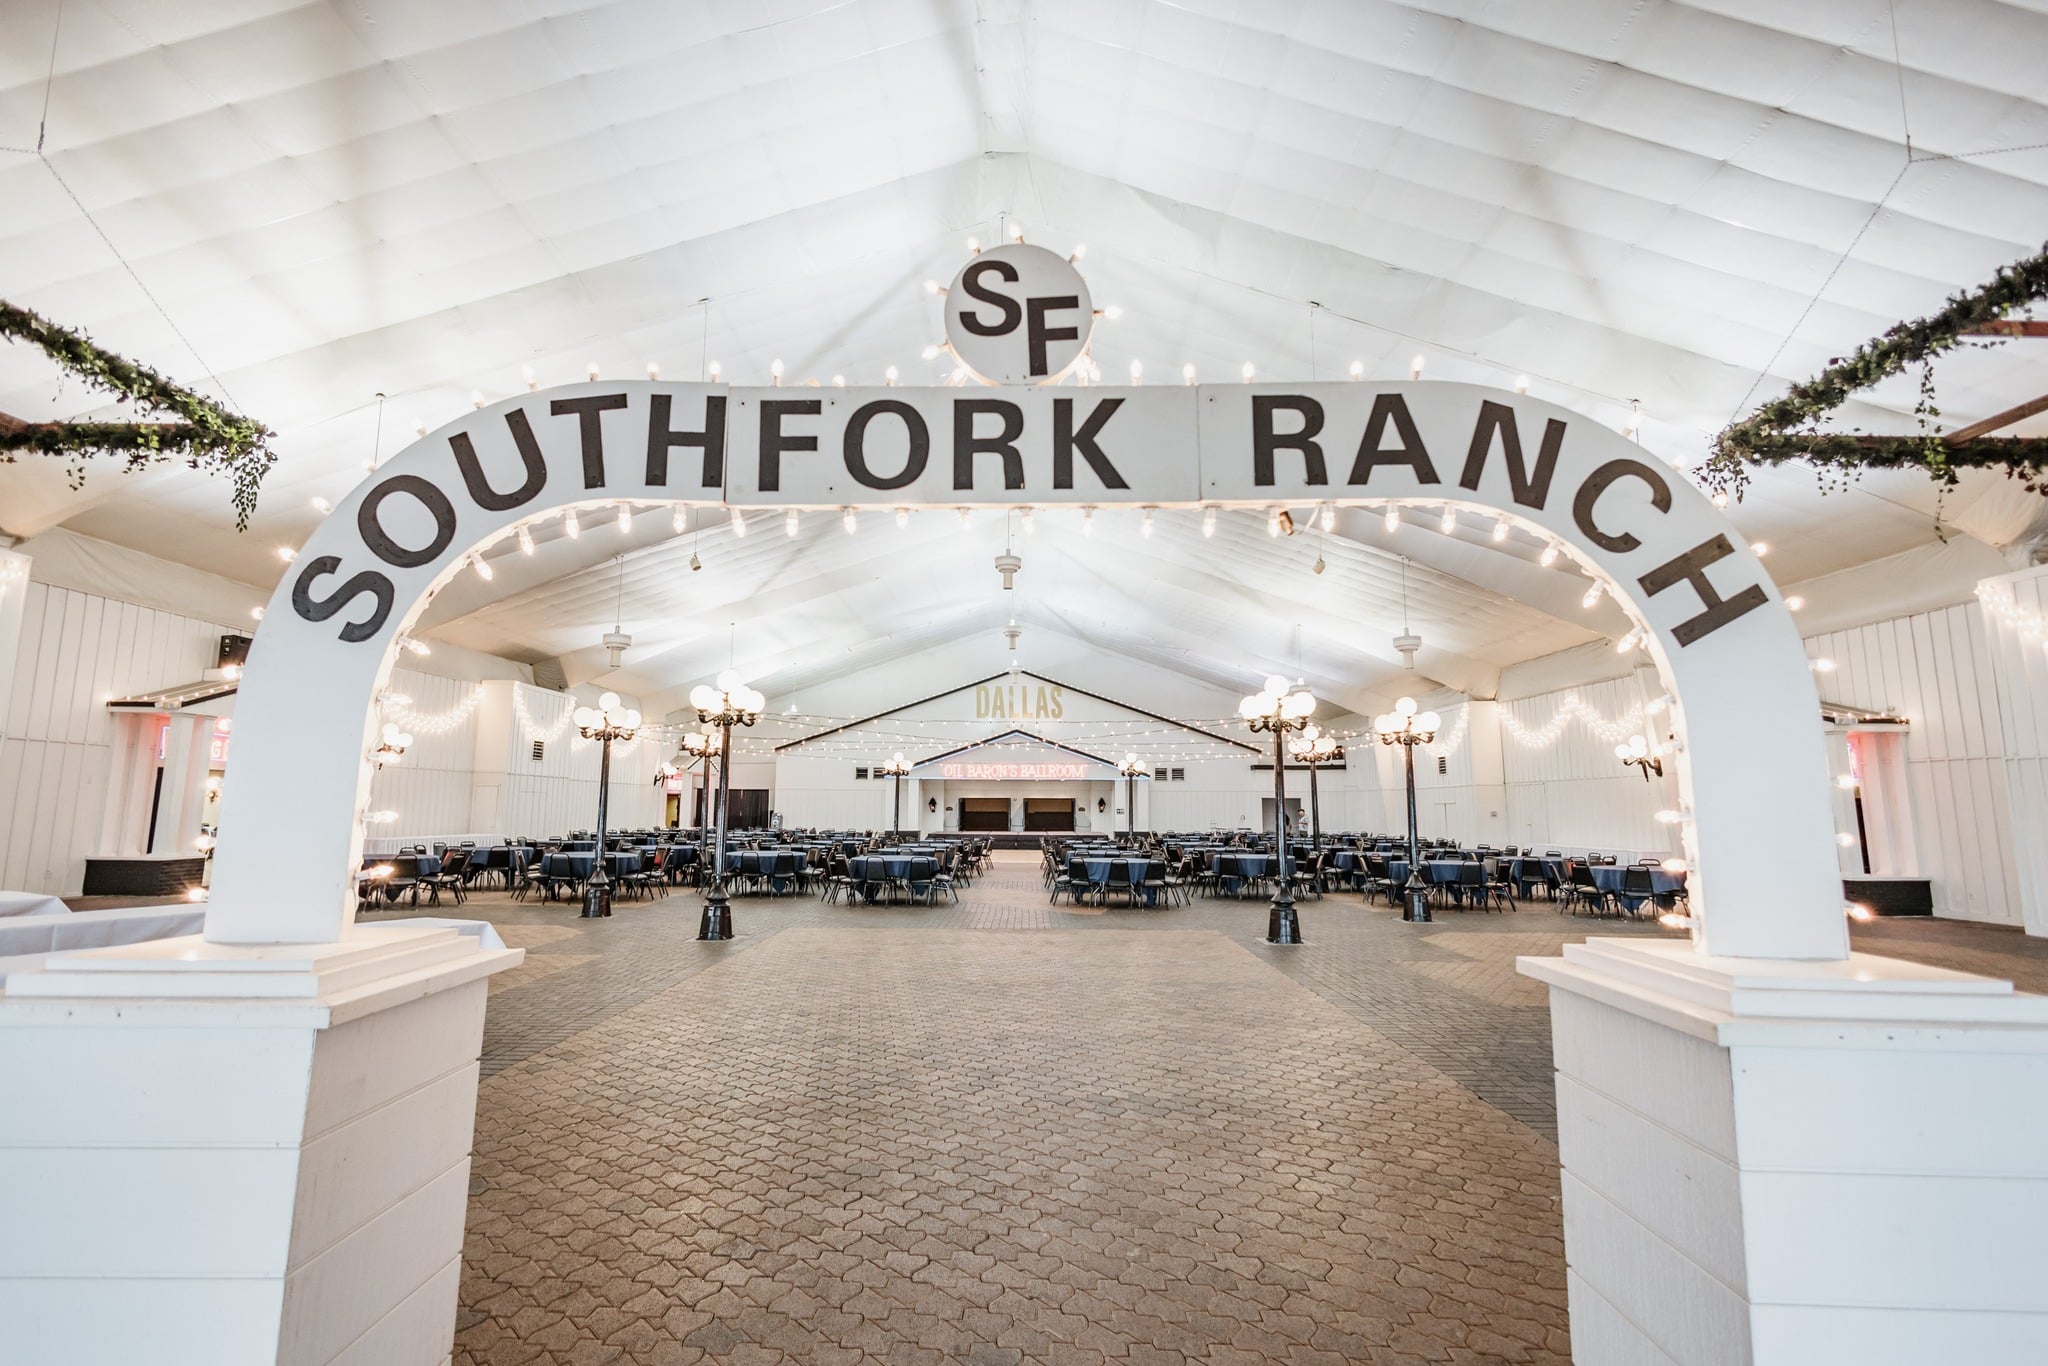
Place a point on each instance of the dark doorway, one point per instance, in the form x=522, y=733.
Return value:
x=984, y=813
x=746, y=808
x=1048, y=813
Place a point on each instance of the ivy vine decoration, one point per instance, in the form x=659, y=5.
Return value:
x=204, y=434
x=1786, y=428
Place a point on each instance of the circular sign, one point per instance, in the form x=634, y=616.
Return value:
x=1018, y=314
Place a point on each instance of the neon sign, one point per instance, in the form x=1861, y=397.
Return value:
x=1015, y=772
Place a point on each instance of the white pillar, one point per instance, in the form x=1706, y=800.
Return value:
x=14, y=568
x=182, y=795
x=221, y=1155
x=1785, y=1163
x=2015, y=624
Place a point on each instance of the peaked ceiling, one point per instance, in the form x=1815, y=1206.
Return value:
x=301, y=206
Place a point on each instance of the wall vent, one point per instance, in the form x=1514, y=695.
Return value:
x=860, y=774
x=1180, y=775
x=1443, y=765
x=540, y=750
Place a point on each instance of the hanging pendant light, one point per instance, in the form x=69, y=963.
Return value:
x=1407, y=642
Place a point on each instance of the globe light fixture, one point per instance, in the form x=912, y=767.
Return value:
x=720, y=706
x=895, y=768
x=1312, y=749
x=1408, y=726
x=609, y=720
x=1279, y=709
x=1639, y=752
x=1132, y=769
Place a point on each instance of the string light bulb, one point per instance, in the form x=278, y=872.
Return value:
x=902, y=518
x=790, y=522
x=679, y=519
x=1088, y=521
x=476, y=398
x=775, y=371
x=1137, y=372
x=1329, y=517
x=1187, y=373
x=1500, y=530
x=714, y=369
x=654, y=369
x=1145, y=526
x=1449, y=524
x=626, y=518
x=570, y=527
x=889, y=376
x=1025, y=520
x=849, y=521
x=738, y=522
x=1521, y=384
x=1357, y=369
x=1593, y=594
x=1245, y=372
x=482, y=567
x=1415, y=365
x=1549, y=555
x=1392, y=518
x=1208, y=523
x=590, y=370
x=525, y=541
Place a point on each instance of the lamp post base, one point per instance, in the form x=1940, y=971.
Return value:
x=1415, y=905
x=716, y=922
x=1283, y=926
x=597, y=899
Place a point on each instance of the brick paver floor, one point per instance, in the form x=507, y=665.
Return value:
x=1001, y=1131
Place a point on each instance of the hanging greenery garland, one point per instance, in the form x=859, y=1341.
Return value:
x=1783, y=429
x=205, y=436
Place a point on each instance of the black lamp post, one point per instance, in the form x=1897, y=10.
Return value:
x=1405, y=727
x=604, y=723
x=1132, y=769
x=727, y=704
x=1314, y=749
x=896, y=768
x=1281, y=712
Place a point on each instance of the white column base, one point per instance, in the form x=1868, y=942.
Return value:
x=1794, y=1162
x=219, y=1154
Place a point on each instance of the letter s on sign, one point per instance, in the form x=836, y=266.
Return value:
x=971, y=285
x=320, y=609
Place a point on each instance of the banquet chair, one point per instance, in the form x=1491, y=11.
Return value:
x=1581, y=890
x=1119, y=878
x=1637, y=882
x=1074, y=882
x=1488, y=892
x=448, y=877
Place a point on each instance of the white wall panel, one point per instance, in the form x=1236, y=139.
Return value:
x=2014, y=612
x=76, y=650
x=1936, y=669
x=1565, y=788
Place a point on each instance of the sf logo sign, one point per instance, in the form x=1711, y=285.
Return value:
x=1018, y=314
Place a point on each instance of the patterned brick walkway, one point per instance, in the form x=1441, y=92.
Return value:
x=1004, y=1132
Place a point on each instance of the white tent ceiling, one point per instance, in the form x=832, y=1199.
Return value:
x=299, y=206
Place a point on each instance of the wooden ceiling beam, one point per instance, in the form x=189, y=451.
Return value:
x=2007, y=327
x=1996, y=420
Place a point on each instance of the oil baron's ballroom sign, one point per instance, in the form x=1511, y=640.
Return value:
x=1765, y=882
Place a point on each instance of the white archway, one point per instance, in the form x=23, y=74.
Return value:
x=1751, y=766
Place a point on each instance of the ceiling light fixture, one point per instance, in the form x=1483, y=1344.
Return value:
x=1407, y=643
x=616, y=641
